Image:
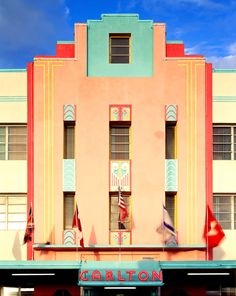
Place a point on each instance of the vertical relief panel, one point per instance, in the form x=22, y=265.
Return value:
x=171, y=175
x=120, y=238
x=120, y=175
x=69, y=237
x=120, y=171
x=69, y=112
x=171, y=112
x=120, y=113
x=69, y=175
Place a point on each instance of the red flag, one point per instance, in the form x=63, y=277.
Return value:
x=29, y=227
x=122, y=206
x=213, y=233
x=77, y=224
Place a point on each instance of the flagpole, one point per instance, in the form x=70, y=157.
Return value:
x=32, y=225
x=164, y=229
x=76, y=233
x=119, y=223
x=207, y=255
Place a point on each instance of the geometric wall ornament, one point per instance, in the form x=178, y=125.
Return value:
x=120, y=175
x=120, y=238
x=171, y=112
x=69, y=237
x=171, y=175
x=69, y=112
x=120, y=112
x=69, y=175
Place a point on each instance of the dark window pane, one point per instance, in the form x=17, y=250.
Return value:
x=120, y=50
x=170, y=141
x=119, y=143
x=68, y=210
x=222, y=143
x=120, y=60
x=170, y=206
x=69, y=142
x=120, y=41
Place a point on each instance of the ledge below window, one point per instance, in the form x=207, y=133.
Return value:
x=111, y=248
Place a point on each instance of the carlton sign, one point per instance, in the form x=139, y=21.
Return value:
x=120, y=276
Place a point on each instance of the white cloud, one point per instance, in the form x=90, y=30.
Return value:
x=227, y=62
x=196, y=49
x=67, y=11
x=232, y=48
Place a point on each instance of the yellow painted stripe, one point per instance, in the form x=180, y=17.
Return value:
x=53, y=154
x=196, y=207
x=44, y=148
x=186, y=66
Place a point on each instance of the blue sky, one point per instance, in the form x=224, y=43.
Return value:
x=32, y=27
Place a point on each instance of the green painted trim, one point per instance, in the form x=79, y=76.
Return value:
x=22, y=264
x=141, y=61
x=46, y=246
x=174, y=42
x=65, y=42
x=13, y=99
x=5, y=264
x=224, y=70
x=218, y=264
x=119, y=15
x=12, y=70
x=224, y=98
x=69, y=173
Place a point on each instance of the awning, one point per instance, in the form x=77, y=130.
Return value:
x=120, y=273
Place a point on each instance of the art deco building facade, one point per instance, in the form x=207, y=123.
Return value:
x=118, y=113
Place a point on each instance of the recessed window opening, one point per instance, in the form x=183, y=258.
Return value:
x=120, y=48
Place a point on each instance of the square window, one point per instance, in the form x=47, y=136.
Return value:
x=120, y=48
x=12, y=211
x=13, y=142
x=224, y=207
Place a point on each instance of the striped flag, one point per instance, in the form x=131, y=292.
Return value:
x=122, y=206
x=167, y=229
x=76, y=223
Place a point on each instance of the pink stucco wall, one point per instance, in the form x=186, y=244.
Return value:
x=178, y=81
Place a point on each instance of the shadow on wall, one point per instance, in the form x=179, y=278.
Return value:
x=219, y=253
x=93, y=238
x=16, y=248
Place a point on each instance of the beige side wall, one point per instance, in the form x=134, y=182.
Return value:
x=12, y=247
x=224, y=84
x=224, y=171
x=13, y=174
x=226, y=250
x=13, y=112
x=224, y=112
x=13, y=83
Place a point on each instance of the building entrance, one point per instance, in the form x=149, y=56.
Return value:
x=120, y=293
x=137, y=291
